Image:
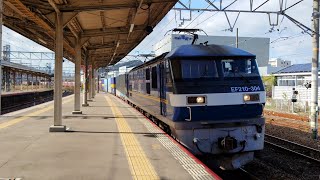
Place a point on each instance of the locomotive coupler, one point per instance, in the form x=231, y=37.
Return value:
x=227, y=143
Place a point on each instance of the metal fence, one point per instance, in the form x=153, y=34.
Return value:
x=285, y=93
x=285, y=105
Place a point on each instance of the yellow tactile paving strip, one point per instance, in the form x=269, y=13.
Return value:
x=27, y=116
x=139, y=164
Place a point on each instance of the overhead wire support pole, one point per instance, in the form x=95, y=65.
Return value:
x=292, y=5
x=259, y=5
x=237, y=38
x=209, y=2
x=183, y=4
x=314, y=112
x=229, y=5
x=251, y=9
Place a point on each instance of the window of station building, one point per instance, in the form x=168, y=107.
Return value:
x=154, y=77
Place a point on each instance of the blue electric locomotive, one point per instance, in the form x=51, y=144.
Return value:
x=209, y=97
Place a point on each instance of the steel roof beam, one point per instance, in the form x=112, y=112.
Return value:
x=99, y=6
x=110, y=45
x=40, y=22
x=109, y=31
x=103, y=20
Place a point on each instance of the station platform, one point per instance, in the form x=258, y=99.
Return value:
x=110, y=140
x=12, y=93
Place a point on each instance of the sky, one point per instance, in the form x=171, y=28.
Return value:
x=287, y=41
x=18, y=42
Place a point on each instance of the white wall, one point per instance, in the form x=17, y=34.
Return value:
x=279, y=63
x=268, y=70
x=279, y=92
x=254, y=45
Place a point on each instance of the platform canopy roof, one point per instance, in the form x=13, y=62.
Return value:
x=108, y=29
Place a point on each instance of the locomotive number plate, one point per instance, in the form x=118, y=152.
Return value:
x=245, y=89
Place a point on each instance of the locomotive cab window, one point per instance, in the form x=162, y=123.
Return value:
x=239, y=68
x=198, y=69
x=214, y=69
x=194, y=69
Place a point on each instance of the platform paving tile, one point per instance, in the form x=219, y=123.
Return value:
x=92, y=149
x=165, y=164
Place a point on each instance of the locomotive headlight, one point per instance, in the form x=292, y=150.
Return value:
x=246, y=97
x=251, y=97
x=196, y=100
x=200, y=100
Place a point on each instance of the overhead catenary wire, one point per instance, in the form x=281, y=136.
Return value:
x=158, y=35
x=207, y=18
x=160, y=32
x=197, y=17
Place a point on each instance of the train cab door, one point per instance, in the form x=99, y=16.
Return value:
x=162, y=89
x=148, y=86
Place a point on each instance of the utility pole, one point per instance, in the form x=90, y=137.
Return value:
x=314, y=76
x=237, y=38
x=1, y=23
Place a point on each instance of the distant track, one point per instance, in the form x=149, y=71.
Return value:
x=8, y=109
x=23, y=105
x=294, y=148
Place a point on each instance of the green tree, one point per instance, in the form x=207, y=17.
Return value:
x=268, y=82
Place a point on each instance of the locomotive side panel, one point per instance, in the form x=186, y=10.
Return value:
x=144, y=91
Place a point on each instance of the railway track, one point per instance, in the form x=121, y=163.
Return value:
x=7, y=109
x=235, y=174
x=293, y=148
x=11, y=108
x=248, y=174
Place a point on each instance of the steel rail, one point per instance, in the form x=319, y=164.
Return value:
x=300, y=145
x=251, y=176
x=292, y=151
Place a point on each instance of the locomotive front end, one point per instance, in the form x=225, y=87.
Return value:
x=218, y=102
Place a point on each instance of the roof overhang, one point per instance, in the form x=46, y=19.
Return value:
x=294, y=74
x=107, y=29
x=20, y=67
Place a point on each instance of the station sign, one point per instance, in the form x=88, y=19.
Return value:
x=122, y=69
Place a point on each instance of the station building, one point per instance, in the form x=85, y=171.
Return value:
x=297, y=76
